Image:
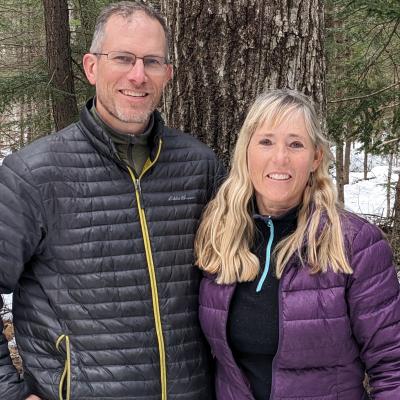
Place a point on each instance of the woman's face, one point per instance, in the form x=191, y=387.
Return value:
x=280, y=160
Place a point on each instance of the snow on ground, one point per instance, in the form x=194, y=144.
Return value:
x=7, y=299
x=3, y=153
x=368, y=197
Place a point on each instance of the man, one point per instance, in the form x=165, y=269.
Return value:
x=96, y=233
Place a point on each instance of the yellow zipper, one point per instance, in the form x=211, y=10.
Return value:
x=150, y=265
x=66, y=375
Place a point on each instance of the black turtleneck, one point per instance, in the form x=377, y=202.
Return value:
x=253, y=324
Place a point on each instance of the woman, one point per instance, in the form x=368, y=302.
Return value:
x=300, y=297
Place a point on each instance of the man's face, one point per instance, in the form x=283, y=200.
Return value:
x=125, y=100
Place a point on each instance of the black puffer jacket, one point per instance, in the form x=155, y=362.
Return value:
x=101, y=265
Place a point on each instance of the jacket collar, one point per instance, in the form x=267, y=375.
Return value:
x=102, y=141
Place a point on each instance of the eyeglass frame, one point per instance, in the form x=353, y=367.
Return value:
x=165, y=62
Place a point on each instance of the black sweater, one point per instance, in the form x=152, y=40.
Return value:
x=253, y=325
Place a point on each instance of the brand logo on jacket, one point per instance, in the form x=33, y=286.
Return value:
x=183, y=197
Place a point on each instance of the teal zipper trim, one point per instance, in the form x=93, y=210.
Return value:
x=267, y=256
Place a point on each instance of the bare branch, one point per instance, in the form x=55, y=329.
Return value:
x=6, y=9
x=389, y=106
x=389, y=141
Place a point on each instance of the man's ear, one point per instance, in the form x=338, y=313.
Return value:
x=169, y=74
x=90, y=67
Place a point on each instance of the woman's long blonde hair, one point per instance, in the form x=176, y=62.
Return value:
x=226, y=232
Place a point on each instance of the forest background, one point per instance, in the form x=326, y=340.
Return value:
x=345, y=54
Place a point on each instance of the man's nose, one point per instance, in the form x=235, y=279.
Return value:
x=137, y=73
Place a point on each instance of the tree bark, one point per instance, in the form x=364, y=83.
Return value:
x=59, y=62
x=225, y=53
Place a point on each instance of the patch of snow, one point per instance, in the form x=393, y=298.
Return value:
x=357, y=160
x=3, y=153
x=7, y=299
x=369, y=196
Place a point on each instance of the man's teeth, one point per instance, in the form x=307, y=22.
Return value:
x=133, y=94
x=279, y=177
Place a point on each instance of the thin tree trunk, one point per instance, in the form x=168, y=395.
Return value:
x=365, y=165
x=346, y=165
x=339, y=171
x=389, y=184
x=48, y=105
x=88, y=20
x=225, y=53
x=340, y=133
x=22, y=102
x=21, y=118
x=29, y=128
x=59, y=62
x=395, y=237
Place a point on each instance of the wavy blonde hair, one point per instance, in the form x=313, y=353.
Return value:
x=226, y=232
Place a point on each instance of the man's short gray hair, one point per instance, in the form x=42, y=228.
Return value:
x=124, y=9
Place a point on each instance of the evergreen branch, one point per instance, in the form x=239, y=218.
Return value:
x=370, y=44
x=366, y=95
x=375, y=58
x=78, y=65
x=16, y=35
x=7, y=9
x=25, y=46
x=78, y=78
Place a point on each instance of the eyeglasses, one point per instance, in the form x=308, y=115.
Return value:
x=124, y=61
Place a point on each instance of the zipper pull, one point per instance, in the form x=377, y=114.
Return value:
x=139, y=190
x=267, y=255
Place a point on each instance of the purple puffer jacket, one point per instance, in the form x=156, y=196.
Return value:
x=332, y=327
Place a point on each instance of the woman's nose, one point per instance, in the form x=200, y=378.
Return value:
x=281, y=154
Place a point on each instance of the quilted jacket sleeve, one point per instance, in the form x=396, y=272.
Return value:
x=374, y=306
x=21, y=231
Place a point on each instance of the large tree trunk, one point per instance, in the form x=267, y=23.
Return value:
x=225, y=53
x=59, y=62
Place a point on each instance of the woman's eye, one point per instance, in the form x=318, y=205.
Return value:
x=296, y=145
x=265, y=142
